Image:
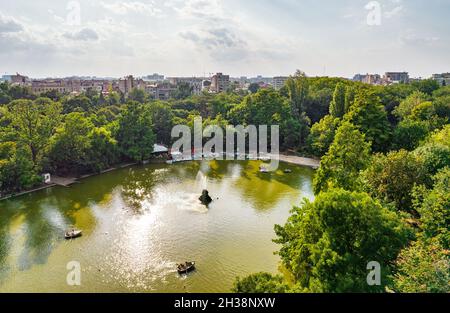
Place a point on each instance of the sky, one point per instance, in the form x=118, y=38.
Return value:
x=58, y=38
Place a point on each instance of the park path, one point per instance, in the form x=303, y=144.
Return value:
x=300, y=161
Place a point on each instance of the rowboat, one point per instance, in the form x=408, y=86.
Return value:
x=186, y=267
x=73, y=234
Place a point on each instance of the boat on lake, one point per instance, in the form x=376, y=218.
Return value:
x=186, y=267
x=72, y=234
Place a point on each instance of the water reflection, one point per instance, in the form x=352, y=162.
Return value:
x=139, y=222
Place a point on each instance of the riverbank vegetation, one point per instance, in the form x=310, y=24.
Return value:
x=382, y=194
x=382, y=190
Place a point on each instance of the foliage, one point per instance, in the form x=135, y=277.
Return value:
x=424, y=267
x=348, y=155
x=254, y=87
x=135, y=133
x=138, y=95
x=434, y=208
x=406, y=106
x=68, y=152
x=392, y=177
x=35, y=122
x=369, y=116
x=260, y=283
x=16, y=169
x=162, y=118
x=322, y=135
x=409, y=134
x=327, y=244
x=337, y=106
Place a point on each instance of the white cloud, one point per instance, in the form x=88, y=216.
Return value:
x=394, y=12
x=122, y=8
x=85, y=34
x=9, y=25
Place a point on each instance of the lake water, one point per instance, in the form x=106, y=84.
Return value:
x=139, y=222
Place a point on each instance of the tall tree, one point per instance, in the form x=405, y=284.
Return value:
x=298, y=88
x=68, y=153
x=391, y=177
x=135, y=133
x=35, y=122
x=327, y=244
x=369, y=115
x=348, y=155
x=337, y=106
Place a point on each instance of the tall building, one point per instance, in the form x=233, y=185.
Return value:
x=194, y=82
x=443, y=79
x=220, y=83
x=396, y=77
x=128, y=83
x=279, y=81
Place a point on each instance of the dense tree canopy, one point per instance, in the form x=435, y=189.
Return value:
x=135, y=132
x=348, y=155
x=363, y=200
x=327, y=244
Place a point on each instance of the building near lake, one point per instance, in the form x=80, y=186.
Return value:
x=219, y=83
x=279, y=82
x=396, y=77
x=443, y=79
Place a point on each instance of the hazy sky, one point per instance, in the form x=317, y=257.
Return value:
x=239, y=37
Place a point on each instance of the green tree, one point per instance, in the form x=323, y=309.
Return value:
x=79, y=103
x=424, y=267
x=138, y=95
x=408, y=134
x=254, y=87
x=348, y=155
x=441, y=137
x=391, y=177
x=433, y=206
x=371, y=119
x=337, y=106
x=321, y=135
x=103, y=151
x=16, y=169
x=135, y=133
x=426, y=86
x=35, y=122
x=69, y=147
x=406, y=106
x=350, y=95
x=327, y=244
x=260, y=283
x=433, y=157
x=183, y=91
x=298, y=88
x=162, y=117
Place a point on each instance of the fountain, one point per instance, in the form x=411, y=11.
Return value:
x=205, y=199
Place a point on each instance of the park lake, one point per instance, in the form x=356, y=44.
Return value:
x=139, y=222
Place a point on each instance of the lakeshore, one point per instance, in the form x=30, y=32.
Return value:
x=140, y=222
x=70, y=180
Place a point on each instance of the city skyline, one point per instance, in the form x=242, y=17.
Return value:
x=240, y=38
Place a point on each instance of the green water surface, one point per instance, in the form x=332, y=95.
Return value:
x=139, y=222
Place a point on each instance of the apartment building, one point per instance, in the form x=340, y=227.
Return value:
x=396, y=77
x=279, y=82
x=219, y=83
x=443, y=79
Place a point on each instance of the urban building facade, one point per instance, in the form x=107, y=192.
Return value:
x=279, y=82
x=396, y=77
x=443, y=79
x=220, y=83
